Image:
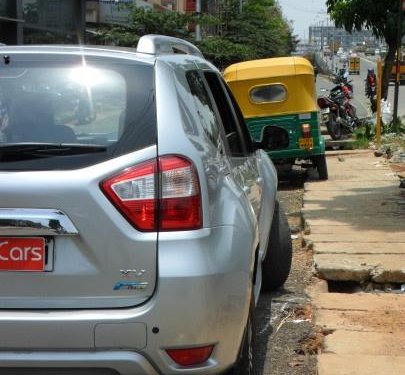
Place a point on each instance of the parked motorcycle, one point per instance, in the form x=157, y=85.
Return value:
x=337, y=111
x=371, y=92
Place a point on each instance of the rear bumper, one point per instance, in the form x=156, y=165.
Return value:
x=319, y=149
x=123, y=362
x=201, y=298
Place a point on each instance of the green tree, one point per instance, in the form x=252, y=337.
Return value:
x=230, y=35
x=259, y=29
x=379, y=16
x=142, y=22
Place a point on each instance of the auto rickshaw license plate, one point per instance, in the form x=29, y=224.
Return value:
x=307, y=143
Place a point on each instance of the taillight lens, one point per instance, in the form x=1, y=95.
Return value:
x=162, y=195
x=180, y=201
x=133, y=192
x=190, y=356
x=306, y=130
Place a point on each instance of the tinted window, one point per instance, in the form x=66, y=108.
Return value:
x=268, y=94
x=233, y=132
x=106, y=105
x=204, y=106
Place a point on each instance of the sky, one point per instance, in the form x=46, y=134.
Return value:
x=304, y=13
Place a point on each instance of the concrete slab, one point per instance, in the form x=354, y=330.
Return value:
x=361, y=302
x=357, y=191
x=361, y=193
x=336, y=185
x=358, y=248
x=384, y=237
x=357, y=230
x=331, y=364
x=342, y=220
x=371, y=343
x=361, y=321
x=366, y=333
x=380, y=268
x=397, y=231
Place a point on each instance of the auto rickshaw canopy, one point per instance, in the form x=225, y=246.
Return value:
x=293, y=75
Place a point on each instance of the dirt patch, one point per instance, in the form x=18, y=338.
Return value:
x=287, y=341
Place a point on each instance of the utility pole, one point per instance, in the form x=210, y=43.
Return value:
x=198, y=26
x=333, y=48
x=321, y=23
x=398, y=64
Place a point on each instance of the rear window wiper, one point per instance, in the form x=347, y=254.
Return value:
x=49, y=149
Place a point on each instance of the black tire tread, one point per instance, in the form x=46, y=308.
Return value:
x=321, y=167
x=242, y=364
x=277, y=263
x=332, y=129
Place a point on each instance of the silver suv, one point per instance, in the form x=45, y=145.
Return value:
x=138, y=221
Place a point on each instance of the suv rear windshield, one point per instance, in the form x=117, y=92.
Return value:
x=69, y=111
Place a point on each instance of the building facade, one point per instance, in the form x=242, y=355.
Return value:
x=117, y=11
x=322, y=36
x=42, y=21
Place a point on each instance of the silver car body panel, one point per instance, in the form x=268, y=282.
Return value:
x=199, y=282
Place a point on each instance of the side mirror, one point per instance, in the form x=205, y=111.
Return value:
x=258, y=145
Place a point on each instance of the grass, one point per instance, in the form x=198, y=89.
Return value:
x=365, y=134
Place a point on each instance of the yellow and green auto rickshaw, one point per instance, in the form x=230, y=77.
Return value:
x=278, y=100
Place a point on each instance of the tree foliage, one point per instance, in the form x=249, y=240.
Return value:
x=260, y=26
x=379, y=16
x=230, y=34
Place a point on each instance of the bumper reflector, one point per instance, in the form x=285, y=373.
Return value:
x=190, y=356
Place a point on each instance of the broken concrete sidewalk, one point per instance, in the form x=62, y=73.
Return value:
x=357, y=221
x=357, y=229
x=365, y=333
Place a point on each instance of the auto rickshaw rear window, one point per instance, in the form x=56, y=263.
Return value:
x=268, y=93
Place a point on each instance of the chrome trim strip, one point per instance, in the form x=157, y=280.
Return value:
x=35, y=221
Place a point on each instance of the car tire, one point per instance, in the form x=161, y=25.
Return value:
x=321, y=166
x=277, y=263
x=334, y=129
x=245, y=364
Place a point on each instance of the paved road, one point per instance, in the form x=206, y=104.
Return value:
x=360, y=100
x=370, y=62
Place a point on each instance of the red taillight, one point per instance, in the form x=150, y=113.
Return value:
x=158, y=196
x=306, y=130
x=190, y=356
x=133, y=192
x=180, y=202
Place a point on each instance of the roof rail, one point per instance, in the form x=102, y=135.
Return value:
x=166, y=45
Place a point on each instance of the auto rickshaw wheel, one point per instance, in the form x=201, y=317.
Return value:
x=277, y=263
x=334, y=128
x=321, y=166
